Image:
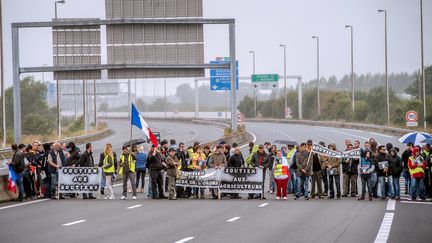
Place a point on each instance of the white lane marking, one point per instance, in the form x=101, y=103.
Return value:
x=263, y=205
x=22, y=204
x=349, y=134
x=384, y=230
x=391, y=205
x=254, y=139
x=185, y=239
x=410, y=202
x=135, y=206
x=382, y=135
x=233, y=219
x=75, y=222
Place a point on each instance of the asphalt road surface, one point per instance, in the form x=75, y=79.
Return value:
x=242, y=220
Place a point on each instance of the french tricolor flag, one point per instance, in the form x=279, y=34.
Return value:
x=138, y=121
x=11, y=182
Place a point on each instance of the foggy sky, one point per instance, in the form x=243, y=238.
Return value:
x=261, y=26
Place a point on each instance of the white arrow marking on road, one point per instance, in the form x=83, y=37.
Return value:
x=263, y=205
x=185, y=239
x=391, y=205
x=233, y=219
x=135, y=206
x=75, y=222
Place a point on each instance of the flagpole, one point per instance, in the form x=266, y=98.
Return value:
x=131, y=130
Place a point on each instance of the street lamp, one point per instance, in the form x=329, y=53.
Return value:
x=57, y=81
x=285, y=81
x=254, y=92
x=318, y=86
x=352, y=65
x=386, y=68
x=422, y=65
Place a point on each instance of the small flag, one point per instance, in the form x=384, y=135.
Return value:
x=11, y=182
x=138, y=121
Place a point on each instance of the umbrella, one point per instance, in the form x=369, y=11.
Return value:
x=134, y=142
x=427, y=140
x=414, y=137
x=286, y=142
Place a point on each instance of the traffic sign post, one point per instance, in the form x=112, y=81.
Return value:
x=240, y=118
x=411, y=118
x=265, y=81
x=220, y=79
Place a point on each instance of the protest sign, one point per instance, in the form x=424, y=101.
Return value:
x=79, y=179
x=354, y=154
x=241, y=180
x=201, y=178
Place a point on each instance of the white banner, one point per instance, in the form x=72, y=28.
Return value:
x=241, y=180
x=354, y=154
x=80, y=180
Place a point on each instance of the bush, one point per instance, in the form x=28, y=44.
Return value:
x=37, y=124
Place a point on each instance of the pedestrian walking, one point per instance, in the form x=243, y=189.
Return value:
x=108, y=166
x=127, y=170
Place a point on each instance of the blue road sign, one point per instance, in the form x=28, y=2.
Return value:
x=220, y=79
x=52, y=90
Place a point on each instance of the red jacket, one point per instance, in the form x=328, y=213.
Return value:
x=416, y=171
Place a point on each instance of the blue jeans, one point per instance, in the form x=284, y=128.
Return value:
x=20, y=184
x=292, y=185
x=407, y=178
x=417, y=188
x=374, y=184
x=382, y=183
x=53, y=184
x=396, y=184
x=103, y=182
x=305, y=181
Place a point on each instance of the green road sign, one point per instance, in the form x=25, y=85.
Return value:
x=265, y=81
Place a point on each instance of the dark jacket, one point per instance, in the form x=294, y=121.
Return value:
x=349, y=166
x=272, y=158
x=53, y=157
x=236, y=161
x=75, y=156
x=380, y=158
x=405, y=156
x=18, y=162
x=217, y=159
x=86, y=160
x=154, y=162
x=260, y=160
x=396, y=164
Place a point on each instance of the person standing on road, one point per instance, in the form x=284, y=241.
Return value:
x=374, y=174
x=281, y=175
x=366, y=167
x=198, y=163
x=406, y=174
x=324, y=162
x=155, y=166
x=217, y=161
x=87, y=160
x=107, y=164
x=349, y=169
x=18, y=166
x=384, y=172
x=426, y=154
x=317, y=176
x=333, y=171
x=236, y=161
x=291, y=157
x=56, y=160
x=304, y=170
x=181, y=156
x=396, y=171
x=417, y=166
x=260, y=159
x=172, y=173
x=272, y=157
x=127, y=169
x=141, y=160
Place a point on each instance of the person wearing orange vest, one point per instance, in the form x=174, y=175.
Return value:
x=417, y=166
x=281, y=175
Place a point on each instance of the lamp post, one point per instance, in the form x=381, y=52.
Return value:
x=352, y=66
x=386, y=67
x=254, y=92
x=57, y=81
x=422, y=65
x=285, y=81
x=318, y=86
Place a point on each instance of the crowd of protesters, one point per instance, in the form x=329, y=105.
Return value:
x=379, y=169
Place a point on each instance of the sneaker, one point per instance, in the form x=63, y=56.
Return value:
x=111, y=198
x=134, y=198
x=107, y=197
x=285, y=198
x=123, y=198
x=296, y=198
x=277, y=198
x=418, y=199
x=410, y=199
x=271, y=192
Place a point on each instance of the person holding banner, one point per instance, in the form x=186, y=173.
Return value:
x=56, y=160
x=349, y=169
x=217, y=160
x=260, y=159
x=198, y=163
x=333, y=172
x=127, y=169
x=384, y=172
x=107, y=164
x=281, y=175
x=87, y=160
x=304, y=170
x=365, y=168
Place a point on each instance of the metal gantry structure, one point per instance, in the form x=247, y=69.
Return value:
x=17, y=70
